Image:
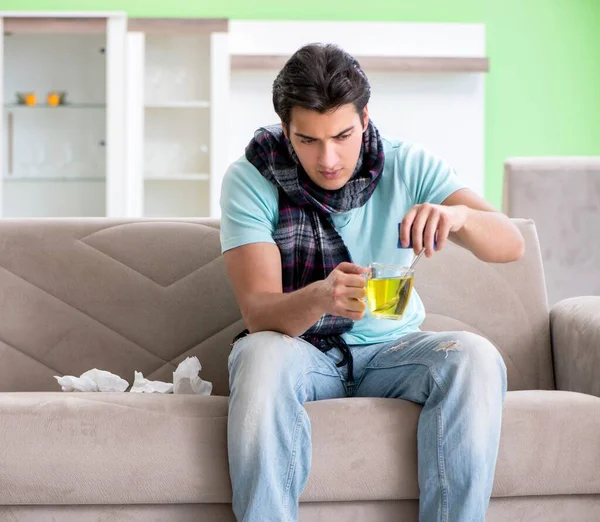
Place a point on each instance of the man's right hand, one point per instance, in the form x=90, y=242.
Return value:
x=255, y=273
x=343, y=291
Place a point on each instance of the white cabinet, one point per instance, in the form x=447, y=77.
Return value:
x=142, y=130
x=66, y=159
x=177, y=101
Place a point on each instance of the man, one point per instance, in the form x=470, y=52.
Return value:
x=310, y=205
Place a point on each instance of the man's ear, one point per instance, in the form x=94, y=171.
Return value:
x=365, y=117
x=285, y=130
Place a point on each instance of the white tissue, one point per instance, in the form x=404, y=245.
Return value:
x=93, y=381
x=186, y=379
x=143, y=385
x=68, y=383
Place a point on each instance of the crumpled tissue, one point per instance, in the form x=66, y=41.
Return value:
x=187, y=380
x=93, y=381
x=143, y=385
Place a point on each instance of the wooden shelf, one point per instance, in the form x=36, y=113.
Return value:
x=97, y=24
x=178, y=25
x=54, y=25
x=376, y=63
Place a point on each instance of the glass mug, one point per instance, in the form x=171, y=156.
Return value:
x=388, y=290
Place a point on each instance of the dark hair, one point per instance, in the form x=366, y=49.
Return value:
x=320, y=77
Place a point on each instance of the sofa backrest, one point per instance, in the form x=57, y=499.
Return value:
x=119, y=295
x=562, y=196
x=125, y=295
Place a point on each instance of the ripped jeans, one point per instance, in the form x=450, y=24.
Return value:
x=458, y=377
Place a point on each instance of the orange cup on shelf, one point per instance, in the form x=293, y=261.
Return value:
x=30, y=99
x=53, y=99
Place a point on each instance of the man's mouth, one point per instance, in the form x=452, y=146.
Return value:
x=330, y=174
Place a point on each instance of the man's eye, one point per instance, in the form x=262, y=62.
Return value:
x=307, y=142
x=344, y=136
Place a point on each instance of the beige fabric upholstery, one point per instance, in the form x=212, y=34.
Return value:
x=582, y=508
x=576, y=344
x=127, y=295
x=123, y=296
x=562, y=196
x=91, y=448
x=143, y=295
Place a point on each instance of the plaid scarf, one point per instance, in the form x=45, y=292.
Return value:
x=310, y=245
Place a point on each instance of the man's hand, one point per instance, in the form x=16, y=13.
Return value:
x=467, y=220
x=255, y=274
x=342, y=293
x=427, y=222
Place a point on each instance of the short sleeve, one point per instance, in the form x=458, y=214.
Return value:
x=249, y=207
x=429, y=178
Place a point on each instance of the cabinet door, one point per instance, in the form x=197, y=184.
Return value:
x=179, y=134
x=63, y=115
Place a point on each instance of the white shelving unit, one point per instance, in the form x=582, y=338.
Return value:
x=68, y=160
x=143, y=130
x=176, y=106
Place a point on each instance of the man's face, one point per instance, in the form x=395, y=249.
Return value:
x=327, y=145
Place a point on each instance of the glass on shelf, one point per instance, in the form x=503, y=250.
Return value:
x=58, y=159
x=170, y=82
x=161, y=158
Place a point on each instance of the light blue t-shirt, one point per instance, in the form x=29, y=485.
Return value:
x=411, y=175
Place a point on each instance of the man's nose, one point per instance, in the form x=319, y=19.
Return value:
x=329, y=158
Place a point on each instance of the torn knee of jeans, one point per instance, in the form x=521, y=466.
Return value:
x=447, y=346
x=396, y=347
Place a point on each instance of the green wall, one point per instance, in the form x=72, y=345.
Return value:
x=543, y=89
x=405, y=10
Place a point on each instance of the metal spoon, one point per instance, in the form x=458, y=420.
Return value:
x=416, y=259
x=401, y=287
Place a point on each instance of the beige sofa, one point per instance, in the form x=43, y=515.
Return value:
x=142, y=295
x=562, y=196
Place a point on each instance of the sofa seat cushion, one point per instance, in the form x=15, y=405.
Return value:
x=70, y=448
x=112, y=448
x=365, y=449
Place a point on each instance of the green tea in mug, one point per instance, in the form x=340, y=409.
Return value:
x=388, y=290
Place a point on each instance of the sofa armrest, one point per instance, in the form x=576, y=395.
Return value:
x=575, y=326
